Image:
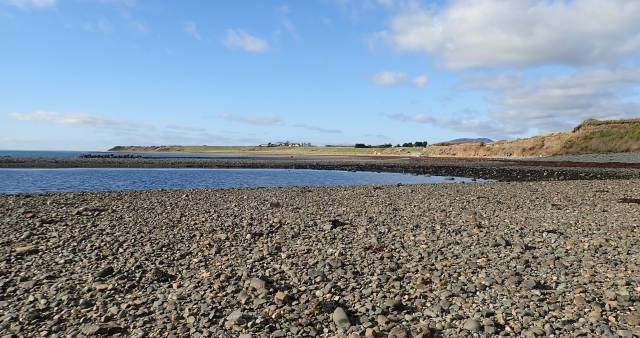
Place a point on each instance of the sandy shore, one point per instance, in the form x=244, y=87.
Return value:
x=516, y=259
x=496, y=169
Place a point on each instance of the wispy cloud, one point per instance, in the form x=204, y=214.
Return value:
x=30, y=3
x=80, y=119
x=266, y=120
x=418, y=118
x=318, y=129
x=239, y=39
x=185, y=129
x=420, y=81
x=389, y=78
x=466, y=123
x=100, y=26
x=378, y=136
x=139, y=26
x=284, y=12
x=128, y=132
x=191, y=28
x=120, y=3
x=284, y=9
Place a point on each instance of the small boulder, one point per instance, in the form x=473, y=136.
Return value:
x=106, y=272
x=25, y=250
x=398, y=332
x=341, y=319
x=102, y=329
x=472, y=325
x=281, y=296
x=257, y=283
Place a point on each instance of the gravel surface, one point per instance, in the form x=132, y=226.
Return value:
x=515, y=259
x=599, y=158
x=495, y=169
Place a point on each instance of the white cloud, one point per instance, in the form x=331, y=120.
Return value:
x=420, y=81
x=465, y=123
x=191, y=28
x=254, y=120
x=238, y=39
x=419, y=118
x=79, y=119
x=318, y=129
x=389, y=78
x=30, y=3
x=487, y=33
x=128, y=132
x=178, y=128
x=560, y=102
x=549, y=103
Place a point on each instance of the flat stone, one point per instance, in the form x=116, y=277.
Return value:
x=257, y=283
x=102, y=287
x=398, y=332
x=624, y=333
x=327, y=226
x=25, y=250
x=632, y=320
x=341, y=319
x=28, y=285
x=472, y=325
x=102, y=329
x=236, y=317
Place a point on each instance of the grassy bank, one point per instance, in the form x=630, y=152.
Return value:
x=275, y=150
x=590, y=137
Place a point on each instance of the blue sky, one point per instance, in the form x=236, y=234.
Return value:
x=90, y=74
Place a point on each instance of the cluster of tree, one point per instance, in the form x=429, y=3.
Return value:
x=415, y=144
x=389, y=145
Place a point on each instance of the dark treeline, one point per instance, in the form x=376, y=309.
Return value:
x=389, y=145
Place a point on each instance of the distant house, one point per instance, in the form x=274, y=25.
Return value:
x=286, y=144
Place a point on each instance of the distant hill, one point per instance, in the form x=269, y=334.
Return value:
x=590, y=137
x=463, y=141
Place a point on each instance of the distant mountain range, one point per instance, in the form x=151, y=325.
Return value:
x=464, y=140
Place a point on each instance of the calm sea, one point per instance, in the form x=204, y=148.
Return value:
x=14, y=181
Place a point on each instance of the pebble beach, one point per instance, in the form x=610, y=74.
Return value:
x=557, y=259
